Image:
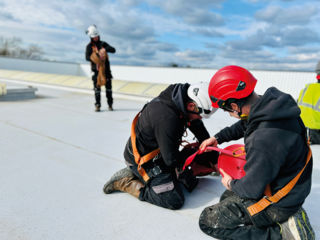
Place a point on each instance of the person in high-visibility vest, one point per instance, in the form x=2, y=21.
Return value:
x=309, y=103
x=267, y=202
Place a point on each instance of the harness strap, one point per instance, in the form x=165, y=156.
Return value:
x=268, y=200
x=137, y=158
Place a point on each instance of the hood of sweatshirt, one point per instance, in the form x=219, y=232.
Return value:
x=180, y=97
x=274, y=105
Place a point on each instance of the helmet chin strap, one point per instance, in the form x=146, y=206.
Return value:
x=193, y=112
x=241, y=115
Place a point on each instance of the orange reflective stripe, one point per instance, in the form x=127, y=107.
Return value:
x=266, y=201
x=137, y=158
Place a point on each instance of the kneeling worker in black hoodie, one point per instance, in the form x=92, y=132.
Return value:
x=267, y=202
x=152, y=151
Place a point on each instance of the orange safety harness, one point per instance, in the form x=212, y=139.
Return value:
x=137, y=158
x=267, y=200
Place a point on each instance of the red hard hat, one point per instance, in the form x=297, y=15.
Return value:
x=230, y=82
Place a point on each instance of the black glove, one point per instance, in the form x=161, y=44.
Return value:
x=187, y=179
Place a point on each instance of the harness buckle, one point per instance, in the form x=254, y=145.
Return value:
x=155, y=171
x=267, y=198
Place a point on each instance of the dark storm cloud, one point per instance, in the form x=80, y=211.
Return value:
x=276, y=38
x=210, y=45
x=5, y=16
x=287, y=36
x=130, y=31
x=165, y=47
x=208, y=32
x=192, y=12
x=148, y=53
x=286, y=16
x=299, y=36
x=196, y=55
x=245, y=55
x=202, y=17
x=304, y=50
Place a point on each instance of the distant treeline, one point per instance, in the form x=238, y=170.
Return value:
x=176, y=65
x=13, y=47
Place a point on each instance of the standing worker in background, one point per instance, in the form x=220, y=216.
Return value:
x=152, y=152
x=309, y=103
x=97, y=54
x=267, y=202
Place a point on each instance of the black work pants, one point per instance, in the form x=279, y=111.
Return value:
x=229, y=219
x=97, y=90
x=162, y=190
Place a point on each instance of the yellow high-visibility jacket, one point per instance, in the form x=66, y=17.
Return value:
x=309, y=103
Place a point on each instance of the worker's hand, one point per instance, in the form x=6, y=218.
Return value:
x=102, y=53
x=95, y=49
x=208, y=142
x=226, y=179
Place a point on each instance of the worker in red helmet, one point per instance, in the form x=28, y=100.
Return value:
x=267, y=202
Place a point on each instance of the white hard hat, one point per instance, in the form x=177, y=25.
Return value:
x=199, y=94
x=92, y=31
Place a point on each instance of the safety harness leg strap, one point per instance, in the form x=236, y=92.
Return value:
x=137, y=158
x=267, y=201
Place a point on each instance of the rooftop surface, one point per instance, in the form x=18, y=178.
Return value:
x=56, y=155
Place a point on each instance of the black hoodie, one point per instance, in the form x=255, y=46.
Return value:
x=276, y=148
x=162, y=123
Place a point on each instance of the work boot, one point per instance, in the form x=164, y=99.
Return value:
x=97, y=108
x=110, y=108
x=124, y=181
x=297, y=227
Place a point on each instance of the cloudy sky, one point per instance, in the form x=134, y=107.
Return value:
x=257, y=34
